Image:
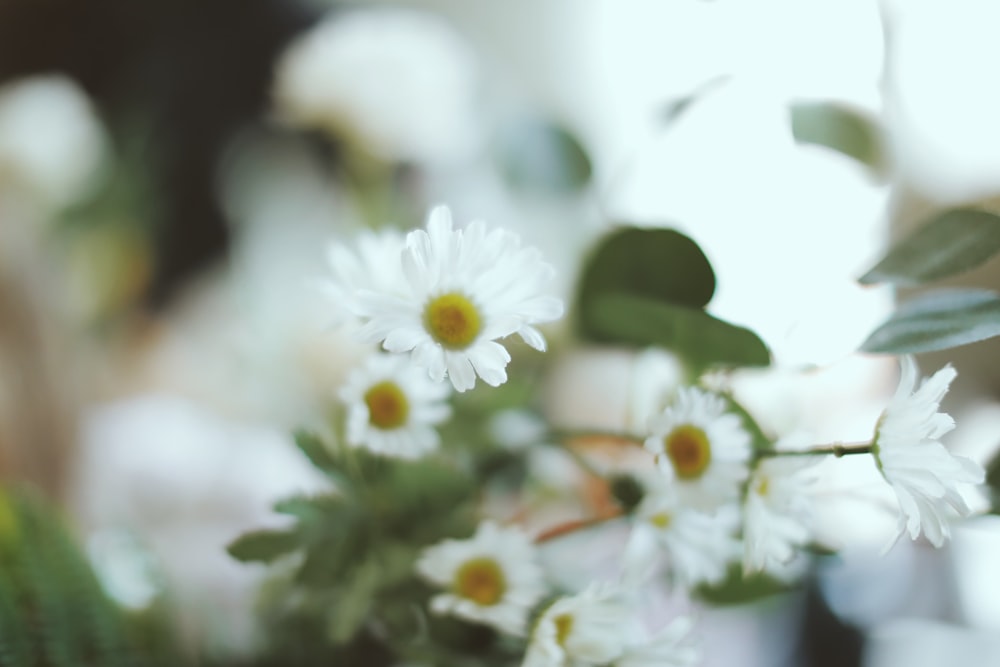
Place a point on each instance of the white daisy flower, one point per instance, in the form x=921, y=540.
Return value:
x=673, y=646
x=696, y=547
x=589, y=628
x=492, y=578
x=374, y=265
x=393, y=407
x=463, y=290
x=777, y=514
x=701, y=446
x=907, y=448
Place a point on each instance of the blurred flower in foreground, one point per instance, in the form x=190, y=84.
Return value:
x=598, y=627
x=51, y=141
x=399, y=81
x=702, y=446
x=698, y=546
x=375, y=266
x=907, y=448
x=492, y=577
x=393, y=407
x=463, y=289
x=778, y=507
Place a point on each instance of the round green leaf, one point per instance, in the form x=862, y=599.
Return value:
x=659, y=264
x=700, y=339
x=937, y=321
x=950, y=243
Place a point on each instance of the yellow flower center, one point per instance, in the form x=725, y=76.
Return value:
x=763, y=486
x=689, y=451
x=387, y=405
x=564, y=626
x=452, y=320
x=481, y=580
x=661, y=519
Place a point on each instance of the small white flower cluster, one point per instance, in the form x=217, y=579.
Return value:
x=717, y=500
x=446, y=296
x=494, y=578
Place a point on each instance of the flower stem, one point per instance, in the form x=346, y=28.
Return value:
x=837, y=449
x=563, y=435
x=571, y=527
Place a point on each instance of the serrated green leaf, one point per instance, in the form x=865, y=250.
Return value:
x=948, y=244
x=538, y=155
x=937, y=321
x=263, y=546
x=659, y=264
x=699, y=338
x=844, y=130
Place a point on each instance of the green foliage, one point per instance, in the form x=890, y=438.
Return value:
x=993, y=483
x=649, y=287
x=937, y=321
x=949, y=243
x=661, y=264
x=679, y=106
x=841, y=129
x=352, y=591
x=53, y=611
x=737, y=589
x=538, y=155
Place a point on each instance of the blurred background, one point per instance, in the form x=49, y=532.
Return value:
x=172, y=172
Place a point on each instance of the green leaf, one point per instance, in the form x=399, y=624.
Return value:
x=839, y=128
x=320, y=455
x=698, y=337
x=681, y=105
x=937, y=321
x=263, y=546
x=737, y=589
x=950, y=243
x=993, y=483
x=661, y=264
x=538, y=155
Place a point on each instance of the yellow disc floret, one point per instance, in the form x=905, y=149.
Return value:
x=388, y=406
x=564, y=626
x=689, y=451
x=452, y=320
x=480, y=580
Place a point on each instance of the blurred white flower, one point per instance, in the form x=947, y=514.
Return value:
x=701, y=446
x=463, y=289
x=697, y=547
x=400, y=81
x=907, y=448
x=589, y=628
x=673, y=646
x=777, y=513
x=393, y=407
x=492, y=578
x=51, y=141
x=376, y=265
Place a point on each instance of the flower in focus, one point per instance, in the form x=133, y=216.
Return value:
x=696, y=546
x=463, y=289
x=588, y=628
x=907, y=448
x=492, y=578
x=701, y=446
x=401, y=82
x=374, y=266
x=393, y=407
x=777, y=513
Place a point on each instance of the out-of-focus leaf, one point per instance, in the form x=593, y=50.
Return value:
x=538, y=155
x=320, y=456
x=263, y=546
x=839, y=128
x=659, y=264
x=679, y=106
x=354, y=602
x=950, y=243
x=737, y=589
x=993, y=483
x=937, y=321
x=702, y=340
